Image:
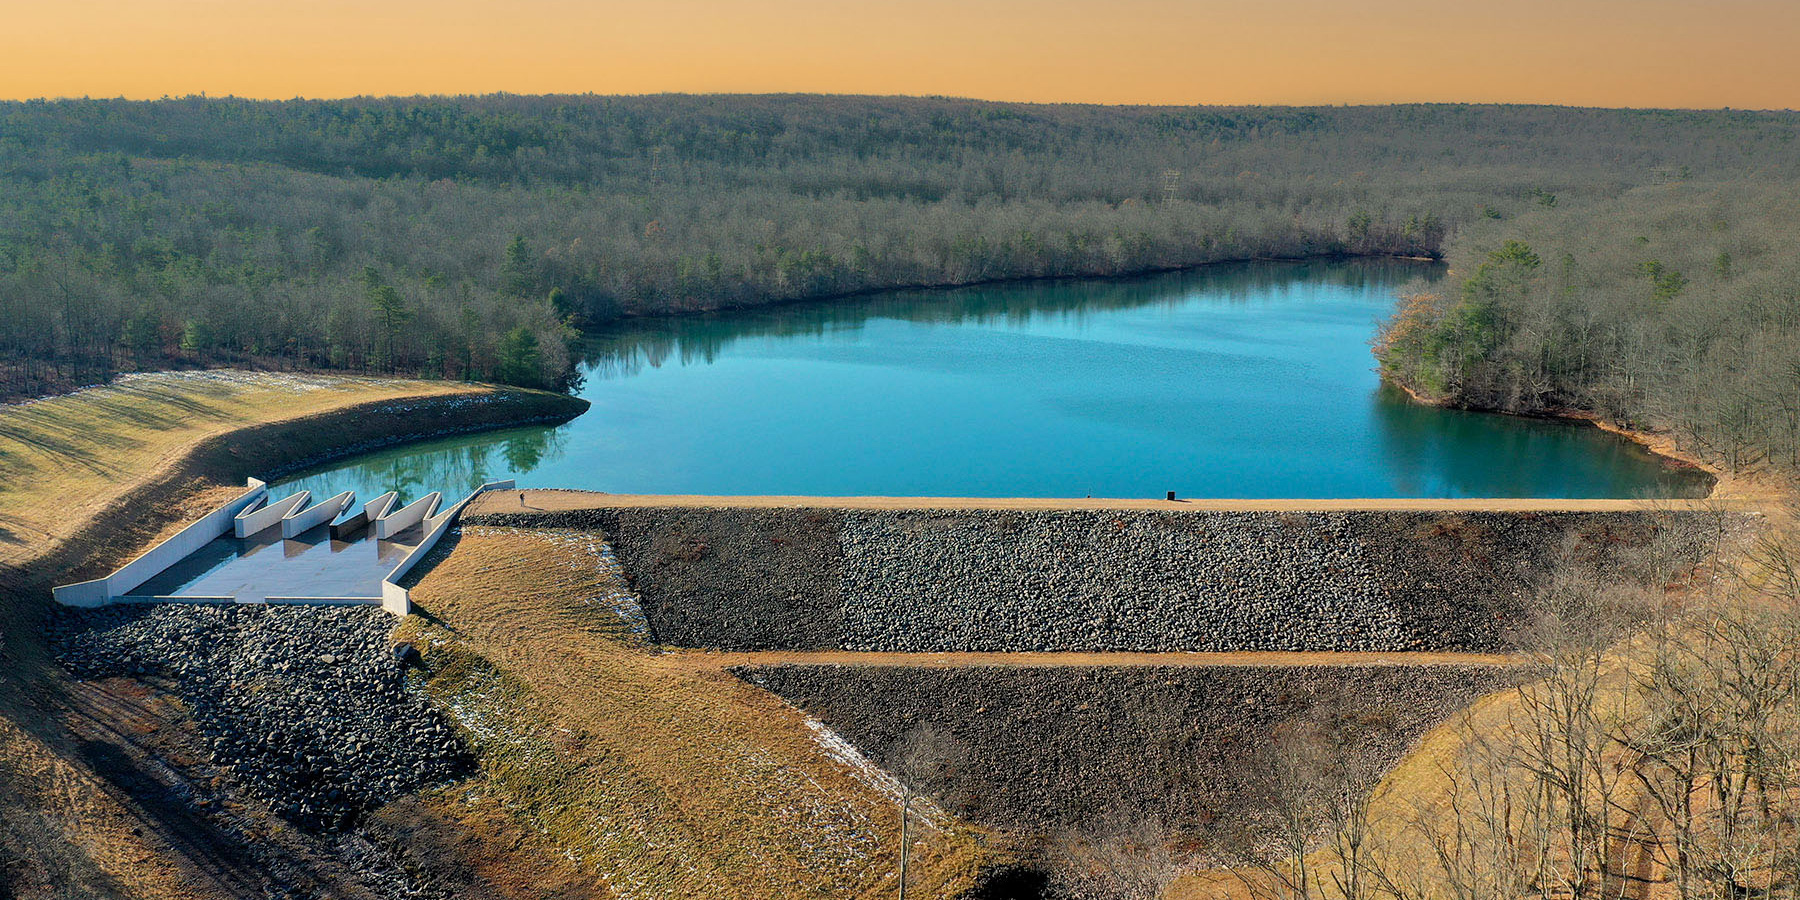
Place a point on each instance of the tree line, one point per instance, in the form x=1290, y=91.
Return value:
x=472, y=237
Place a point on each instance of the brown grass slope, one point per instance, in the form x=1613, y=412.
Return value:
x=668, y=774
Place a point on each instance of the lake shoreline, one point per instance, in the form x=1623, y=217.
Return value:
x=1725, y=486
x=1005, y=281
x=1073, y=389
x=593, y=328
x=552, y=500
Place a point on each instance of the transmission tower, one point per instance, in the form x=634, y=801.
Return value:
x=1171, y=184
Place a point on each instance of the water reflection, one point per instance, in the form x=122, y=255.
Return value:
x=1427, y=454
x=456, y=466
x=627, y=349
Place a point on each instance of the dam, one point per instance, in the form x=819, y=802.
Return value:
x=1096, y=661
x=1086, y=661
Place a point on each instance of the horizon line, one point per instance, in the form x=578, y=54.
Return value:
x=1347, y=104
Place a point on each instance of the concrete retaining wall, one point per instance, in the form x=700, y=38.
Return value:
x=320, y=513
x=256, y=521
x=945, y=580
x=164, y=554
x=397, y=599
x=414, y=513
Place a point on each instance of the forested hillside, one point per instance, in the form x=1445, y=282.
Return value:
x=1673, y=306
x=468, y=237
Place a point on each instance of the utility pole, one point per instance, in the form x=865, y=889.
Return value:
x=905, y=846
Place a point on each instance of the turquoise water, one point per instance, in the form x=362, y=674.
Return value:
x=1238, y=381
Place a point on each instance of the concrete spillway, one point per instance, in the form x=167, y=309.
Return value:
x=253, y=551
x=265, y=565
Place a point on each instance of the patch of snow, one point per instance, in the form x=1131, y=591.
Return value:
x=875, y=777
x=143, y=382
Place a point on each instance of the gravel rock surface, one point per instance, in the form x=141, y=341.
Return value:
x=924, y=580
x=1103, y=581
x=743, y=579
x=1050, y=750
x=306, y=706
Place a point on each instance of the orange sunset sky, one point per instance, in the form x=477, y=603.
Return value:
x=1739, y=53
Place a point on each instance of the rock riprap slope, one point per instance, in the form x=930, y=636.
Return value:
x=306, y=706
x=951, y=580
x=904, y=628
x=1052, y=749
x=1105, y=581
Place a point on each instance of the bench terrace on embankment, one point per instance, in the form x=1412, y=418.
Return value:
x=1090, y=659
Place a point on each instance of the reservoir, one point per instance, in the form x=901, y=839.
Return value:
x=1240, y=381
